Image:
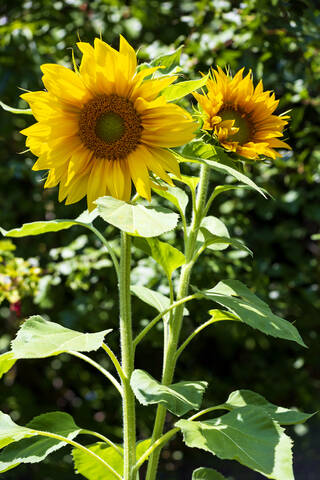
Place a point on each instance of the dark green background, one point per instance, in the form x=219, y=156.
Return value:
x=280, y=41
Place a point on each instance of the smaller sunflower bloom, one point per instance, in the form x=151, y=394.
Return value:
x=241, y=116
x=105, y=126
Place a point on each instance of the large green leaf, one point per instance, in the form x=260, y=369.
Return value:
x=207, y=474
x=7, y=361
x=175, y=195
x=239, y=300
x=19, y=111
x=167, y=256
x=247, y=435
x=209, y=154
x=92, y=470
x=39, y=338
x=26, y=445
x=179, y=398
x=136, y=219
x=37, y=228
x=179, y=90
x=284, y=416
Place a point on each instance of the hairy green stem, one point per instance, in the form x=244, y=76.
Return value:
x=156, y=319
x=176, y=324
x=114, y=360
x=127, y=359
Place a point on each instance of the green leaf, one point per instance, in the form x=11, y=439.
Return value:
x=179, y=398
x=240, y=301
x=7, y=361
x=221, y=315
x=39, y=338
x=208, y=154
x=164, y=254
x=192, y=182
x=19, y=111
x=283, y=416
x=247, y=435
x=175, y=195
x=136, y=219
x=37, y=228
x=92, y=470
x=179, y=90
x=155, y=299
x=170, y=61
x=21, y=448
x=216, y=242
x=207, y=474
x=216, y=227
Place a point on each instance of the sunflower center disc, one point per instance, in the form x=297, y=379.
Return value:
x=241, y=122
x=110, y=126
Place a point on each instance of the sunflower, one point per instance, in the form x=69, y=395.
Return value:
x=241, y=116
x=105, y=125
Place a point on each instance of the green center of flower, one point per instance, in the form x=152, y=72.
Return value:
x=110, y=127
x=241, y=122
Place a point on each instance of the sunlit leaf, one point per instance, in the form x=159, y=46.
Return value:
x=167, y=256
x=179, y=398
x=37, y=228
x=240, y=301
x=90, y=469
x=27, y=445
x=283, y=416
x=136, y=219
x=181, y=89
x=175, y=195
x=39, y=338
x=248, y=435
x=7, y=361
x=169, y=61
x=216, y=242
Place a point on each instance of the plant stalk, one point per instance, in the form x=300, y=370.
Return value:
x=169, y=362
x=127, y=359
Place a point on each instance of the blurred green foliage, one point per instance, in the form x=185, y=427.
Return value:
x=74, y=284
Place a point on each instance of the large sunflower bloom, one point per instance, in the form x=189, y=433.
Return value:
x=241, y=116
x=102, y=126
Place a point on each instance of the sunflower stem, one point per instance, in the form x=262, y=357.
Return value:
x=170, y=357
x=127, y=359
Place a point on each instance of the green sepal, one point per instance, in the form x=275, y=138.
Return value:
x=179, y=398
x=17, y=111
